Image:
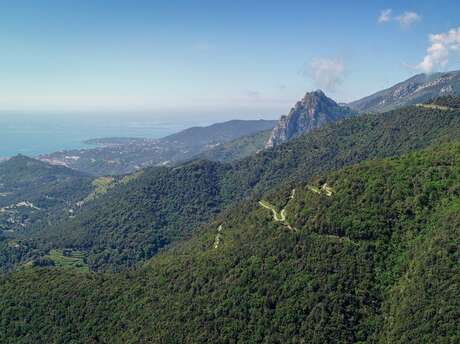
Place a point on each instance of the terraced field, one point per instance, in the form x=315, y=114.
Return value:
x=68, y=259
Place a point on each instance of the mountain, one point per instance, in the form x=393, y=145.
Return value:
x=365, y=254
x=116, y=156
x=313, y=111
x=31, y=190
x=21, y=171
x=219, y=133
x=133, y=221
x=418, y=89
x=237, y=149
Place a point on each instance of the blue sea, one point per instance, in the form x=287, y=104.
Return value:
x=33, y=134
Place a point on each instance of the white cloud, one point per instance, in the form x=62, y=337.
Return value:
x=385, y=16
x=407, y=19
x=326, y=73
x=437, y=54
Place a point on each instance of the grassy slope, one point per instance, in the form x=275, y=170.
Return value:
x=375, y=262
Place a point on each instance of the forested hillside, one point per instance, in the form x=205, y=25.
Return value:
x=133, y=221
x=32, y=191
x=366, y=254
x=23, y=177
x=236, y=149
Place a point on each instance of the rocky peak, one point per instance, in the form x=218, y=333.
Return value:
x=313, y=111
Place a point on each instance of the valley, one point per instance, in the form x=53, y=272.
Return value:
x=165, y=213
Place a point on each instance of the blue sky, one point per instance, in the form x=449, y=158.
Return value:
x=230, y=56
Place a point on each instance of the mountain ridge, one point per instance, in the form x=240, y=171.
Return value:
x=419, y=88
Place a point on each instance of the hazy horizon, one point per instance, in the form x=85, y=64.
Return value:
x=38, y=133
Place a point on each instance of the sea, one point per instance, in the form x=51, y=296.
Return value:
x=33, y=134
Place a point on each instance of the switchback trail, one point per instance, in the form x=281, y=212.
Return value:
x=279, y=216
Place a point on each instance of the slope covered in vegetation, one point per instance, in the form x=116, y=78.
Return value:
x=23, y=178
x=237, y=149
x=32, y=192
x=374, y=262
x=132, y=222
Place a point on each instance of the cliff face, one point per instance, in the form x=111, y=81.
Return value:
x=313, y=111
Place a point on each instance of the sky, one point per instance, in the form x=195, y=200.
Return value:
x=241, y=57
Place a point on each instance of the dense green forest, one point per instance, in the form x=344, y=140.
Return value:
x=366, y=254
x=134, y=220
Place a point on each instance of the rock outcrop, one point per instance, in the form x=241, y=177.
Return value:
x=313, y=111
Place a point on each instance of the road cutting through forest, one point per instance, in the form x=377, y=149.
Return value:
x=279, y=216
x=435, y=107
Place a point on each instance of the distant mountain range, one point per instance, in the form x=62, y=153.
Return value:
x=418, y=89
